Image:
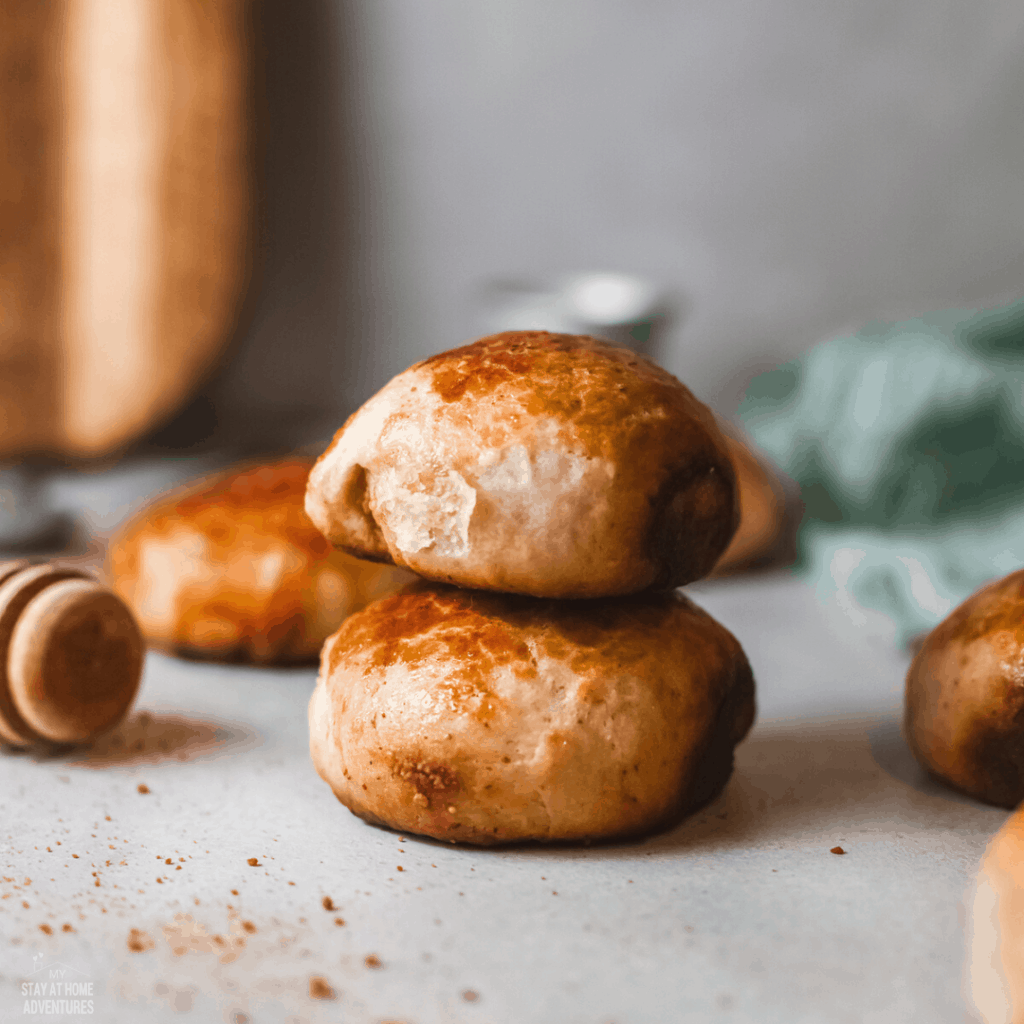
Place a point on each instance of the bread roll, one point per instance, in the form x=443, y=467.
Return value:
x=487, y=718
x=233, y=569
x=965, y=695
x=996, y=946
x=767, y=525
x=532, y=463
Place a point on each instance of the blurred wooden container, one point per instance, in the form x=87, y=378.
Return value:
x=126, y=212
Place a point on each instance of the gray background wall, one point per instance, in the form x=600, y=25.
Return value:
x=787, y=169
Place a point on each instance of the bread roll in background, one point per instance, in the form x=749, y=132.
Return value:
x=545, y=464
x=964, y=706
x=232, y=568
x=769, y=510
x=490, y=718
x=996, y=928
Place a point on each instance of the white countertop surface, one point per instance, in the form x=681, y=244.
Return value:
x=739, y=914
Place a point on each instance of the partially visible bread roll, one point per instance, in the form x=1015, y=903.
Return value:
x=488, y=718
x=766, y=534
x=964, y=716
x=233, y=569
x=996, y=942
x=533, y=463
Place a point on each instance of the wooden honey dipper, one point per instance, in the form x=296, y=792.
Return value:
x=70, y=655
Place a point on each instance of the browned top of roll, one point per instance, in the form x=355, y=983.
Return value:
x=528, y=462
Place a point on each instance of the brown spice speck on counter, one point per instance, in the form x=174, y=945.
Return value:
x=339, y=921
x=142, y=788
x=67, y=928
x=46, y=929
x=837, y=849
x=253, y=862
x=139, y=941
x=320, y=989
x=470, y=996
x=249, y=927
x=373, y=962
x=234, y=892
x=328, y=903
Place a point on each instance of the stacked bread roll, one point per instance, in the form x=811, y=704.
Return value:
x=543, y=681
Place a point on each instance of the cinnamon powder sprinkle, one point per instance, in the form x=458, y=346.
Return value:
x=139, y=941
x=837, y=849
x=373, y=962
x=46, y=929
x=320, y=989
x=142, y=788
x=328, y=903
x=253, y=862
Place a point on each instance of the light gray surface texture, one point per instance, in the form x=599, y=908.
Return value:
x=739, y=914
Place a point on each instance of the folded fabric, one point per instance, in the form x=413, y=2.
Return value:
x=908, y=443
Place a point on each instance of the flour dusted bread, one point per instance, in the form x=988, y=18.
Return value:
x=545, y=464
x=234, y=569
x=965, y=699
x=489, y=718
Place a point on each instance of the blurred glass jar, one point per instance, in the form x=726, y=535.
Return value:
x=624, y=308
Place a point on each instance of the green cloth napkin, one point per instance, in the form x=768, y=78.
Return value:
x=908, y=443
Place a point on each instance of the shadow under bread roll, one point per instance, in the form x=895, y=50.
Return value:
x=232, y=568
x=490, y=718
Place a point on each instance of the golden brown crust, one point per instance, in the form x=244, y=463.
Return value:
x=965, y=695
x=535, y=463
x=486, y=718
x=234, y=569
